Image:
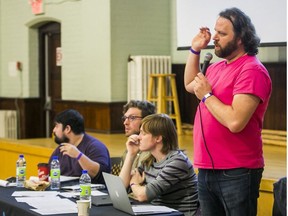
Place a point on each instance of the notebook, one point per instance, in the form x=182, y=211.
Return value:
x=120, y=200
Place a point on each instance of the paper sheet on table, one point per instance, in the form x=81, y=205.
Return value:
x=68, y=178
x=5, y=183
x=50, y=205
x=77, y=187
x=151, y=208
x=62, y=178
x=76, y=194
x=34, y=193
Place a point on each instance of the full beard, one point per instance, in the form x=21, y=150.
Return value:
x=59, y=140
x=224, y=52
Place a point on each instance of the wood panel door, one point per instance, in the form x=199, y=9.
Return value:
x=50, y=72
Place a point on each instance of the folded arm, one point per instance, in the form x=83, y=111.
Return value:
x=235, y=116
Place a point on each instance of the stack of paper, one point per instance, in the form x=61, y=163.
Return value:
x=46, y=202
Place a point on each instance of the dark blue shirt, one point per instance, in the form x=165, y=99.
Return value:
x=93, y=149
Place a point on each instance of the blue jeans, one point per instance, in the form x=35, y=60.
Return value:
x=232, y=192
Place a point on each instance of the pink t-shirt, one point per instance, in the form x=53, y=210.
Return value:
x=230, y=150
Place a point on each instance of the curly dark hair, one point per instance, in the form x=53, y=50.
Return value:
x=146, y=107
x=243, y=29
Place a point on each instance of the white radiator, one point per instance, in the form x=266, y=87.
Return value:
x=139, y=68
x=8, y=124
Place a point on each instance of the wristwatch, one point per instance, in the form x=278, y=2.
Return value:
x=207, y=96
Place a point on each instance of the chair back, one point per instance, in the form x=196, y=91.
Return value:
x=116, y=164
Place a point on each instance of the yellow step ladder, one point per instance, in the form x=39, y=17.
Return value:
x=161, y=93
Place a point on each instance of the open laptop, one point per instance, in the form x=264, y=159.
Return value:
x=120, y=200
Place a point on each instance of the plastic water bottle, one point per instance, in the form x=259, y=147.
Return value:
x=20, y=171
x=55, y=174
x=85, y=186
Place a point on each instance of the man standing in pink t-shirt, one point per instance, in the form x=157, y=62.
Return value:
x=234, y=95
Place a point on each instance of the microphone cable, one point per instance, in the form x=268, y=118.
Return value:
x=210, y=156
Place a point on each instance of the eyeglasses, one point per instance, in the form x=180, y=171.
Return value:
x=130, y=118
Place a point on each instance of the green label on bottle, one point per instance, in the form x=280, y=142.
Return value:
x=21, y=171
x=55, y=173
x=85, y=190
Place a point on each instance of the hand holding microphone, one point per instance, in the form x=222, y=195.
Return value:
x=202, y=85
x=206, y=62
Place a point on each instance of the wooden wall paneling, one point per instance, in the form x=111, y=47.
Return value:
x=276, y=113
x=116, y=112
x=188, y=102
x=8, y=103
x=31, y=121
x=99, y=117
x=30, y=125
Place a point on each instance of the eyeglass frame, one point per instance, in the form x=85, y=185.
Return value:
x=130, y=118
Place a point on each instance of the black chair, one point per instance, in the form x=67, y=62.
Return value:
x=280, y=197
x=116, y=164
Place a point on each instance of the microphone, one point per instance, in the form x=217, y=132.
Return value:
x=206, y=62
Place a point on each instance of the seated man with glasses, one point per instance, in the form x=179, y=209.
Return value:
x=133, y=112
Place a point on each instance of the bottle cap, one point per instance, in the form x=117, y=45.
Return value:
x=21, y=155
x=84, y=171
x=55, y=157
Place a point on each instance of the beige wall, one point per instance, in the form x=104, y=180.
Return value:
x=97, y=38
x=138, y=28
